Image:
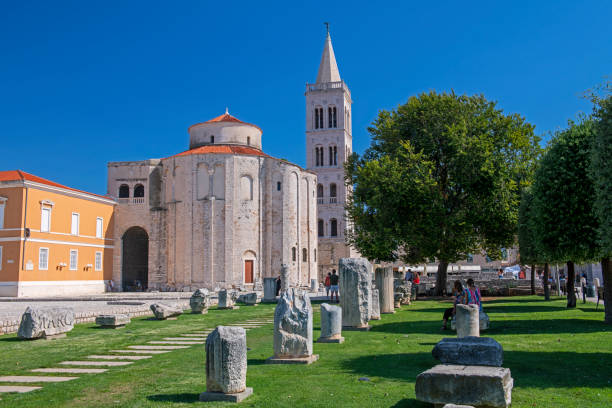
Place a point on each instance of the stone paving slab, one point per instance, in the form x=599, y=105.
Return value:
x=34, y=378
x=157, y=347
x=184, y=339
x=193, y=335
x=17, y=388
x=71, y=370
x=174, y=342
x=140, y=351
x=97, y=363
x=111, y=357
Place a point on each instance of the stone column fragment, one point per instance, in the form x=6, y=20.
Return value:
x=384, y=283
x=269, y=290
x=375, y=309
x=226, y=299
x=331, y=324
x=467, y=321
x=199, y=301
x=226, y=365
x=285, y=278
x=355, y=293
x=45, y=322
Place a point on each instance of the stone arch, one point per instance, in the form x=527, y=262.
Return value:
x=139, y=190
x=246, y=188
x=135, y=259
x=124, y=191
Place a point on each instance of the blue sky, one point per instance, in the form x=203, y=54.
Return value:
x=83, y=83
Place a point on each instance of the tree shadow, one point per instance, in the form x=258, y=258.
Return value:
x=3, y=338
x=529, y=369
x=518, y=326
x=410, y=403
x=183, y=397
x=256, y=361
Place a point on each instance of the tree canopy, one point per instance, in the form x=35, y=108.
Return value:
x=442, y=179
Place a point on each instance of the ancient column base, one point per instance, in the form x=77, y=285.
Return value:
x=338, y=339
x=295, y=360
x=219, y=396
x=353, y=328
x=229, y=308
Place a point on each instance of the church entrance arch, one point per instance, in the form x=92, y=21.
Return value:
x=249, y=259
x=135, y=260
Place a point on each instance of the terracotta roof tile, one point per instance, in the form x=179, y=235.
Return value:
x=18, y=175
x=223, y=149
x=226, y=117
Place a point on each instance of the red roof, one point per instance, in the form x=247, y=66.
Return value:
x=18, y=175
x=223, y=149
x=226, y=117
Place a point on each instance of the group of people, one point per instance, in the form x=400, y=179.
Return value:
x=331, y=285
x=466, y=296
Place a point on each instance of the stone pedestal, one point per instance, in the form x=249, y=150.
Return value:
x=384, y=284
x=250, y=299
x=483, y=321
x=460, y=384
x=47, y=323
x=375, y=310
x=481, y=351
x=355, y=292
x=314, y=285
x=226, y=300
x=269, y=290
x=199, y=301
x=113, y=321
x=467, y=321
x=226, y=365
x=163, y=311
x=293, y=329
x=331, y=324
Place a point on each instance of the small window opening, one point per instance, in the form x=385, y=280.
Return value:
x=278, y=186
x=212, y=139
x=293, y=254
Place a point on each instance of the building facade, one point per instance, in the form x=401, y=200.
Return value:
x=54, y=240
x=221, y=214
x=329, y=143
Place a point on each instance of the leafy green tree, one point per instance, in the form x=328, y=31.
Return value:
x=441, y=179
x=526, y=239
x=565, y=223
x=601, y=172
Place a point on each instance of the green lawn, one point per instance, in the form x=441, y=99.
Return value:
x=558, y=358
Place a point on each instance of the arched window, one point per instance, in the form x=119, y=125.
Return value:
x=320, y=228
x=332, y=118
x=304, y=255
x=318, y=118
x=278, y=186
x=139, y=190
x=332, y=190
x=124, y=191
x=315, y=254
x=319, y=190
x=293, y=254
x=335, y=156
x=248, y=140
x=212, y=139
x=317, y=163
x=331, y=155
x=333, y=227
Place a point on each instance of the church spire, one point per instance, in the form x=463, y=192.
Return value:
x=328, y=69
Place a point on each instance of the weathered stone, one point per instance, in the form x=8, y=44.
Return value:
x=384, y=284
x=314, y=285
x=269, y=290
x=405, y=289
x=113, y=320
x=226, y=360
x=397, y=298
x=45, y=322
x=460, y=384
x=286, y=282
x=467, y=320
x=199, y=301
x=163, y=311
x=375, y=310
x=250, y=299
x=227, y=299
x=481, y=351
x=483, y=321
x=292, y=326
x=457, y=406
x=355, y=290
x=331, y=324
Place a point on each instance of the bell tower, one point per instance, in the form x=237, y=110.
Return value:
x=328, y=145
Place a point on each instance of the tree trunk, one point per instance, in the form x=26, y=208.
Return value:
x=546, y=284
x=606, y=271
x=533, y=272
x=569, y=284
x=441, y=278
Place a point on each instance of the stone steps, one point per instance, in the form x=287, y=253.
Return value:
x=97, y=363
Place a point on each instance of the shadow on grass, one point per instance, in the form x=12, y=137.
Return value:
x=529, y=369
x=184, y=397
x=406, y=403
x=507, y=309
x=256, y=361
x=518, y=326
x=3, y=338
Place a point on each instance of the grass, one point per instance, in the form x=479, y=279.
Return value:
x=558, y=358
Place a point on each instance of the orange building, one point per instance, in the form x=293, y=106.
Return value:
x=54, y=240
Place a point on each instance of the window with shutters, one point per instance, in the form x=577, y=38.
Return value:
x=98, y=261
x=74, y=255
x=45, y=221
x=74, y=227
x=43, y=259
x=99, y=227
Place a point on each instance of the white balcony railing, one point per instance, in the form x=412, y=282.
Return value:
x=131, y=200
x=332, y=200
x=320, y=200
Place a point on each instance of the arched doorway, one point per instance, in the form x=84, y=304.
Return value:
x=135, y=260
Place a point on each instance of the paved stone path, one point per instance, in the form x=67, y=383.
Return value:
x=166, y=345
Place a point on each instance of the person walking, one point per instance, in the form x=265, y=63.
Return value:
x=278, y=285
x=327, y=283
x=333, y=280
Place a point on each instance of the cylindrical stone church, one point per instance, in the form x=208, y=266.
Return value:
x=220, y=214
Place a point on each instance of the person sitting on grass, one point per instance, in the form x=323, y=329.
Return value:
x=472, y=295
x=450, y=312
